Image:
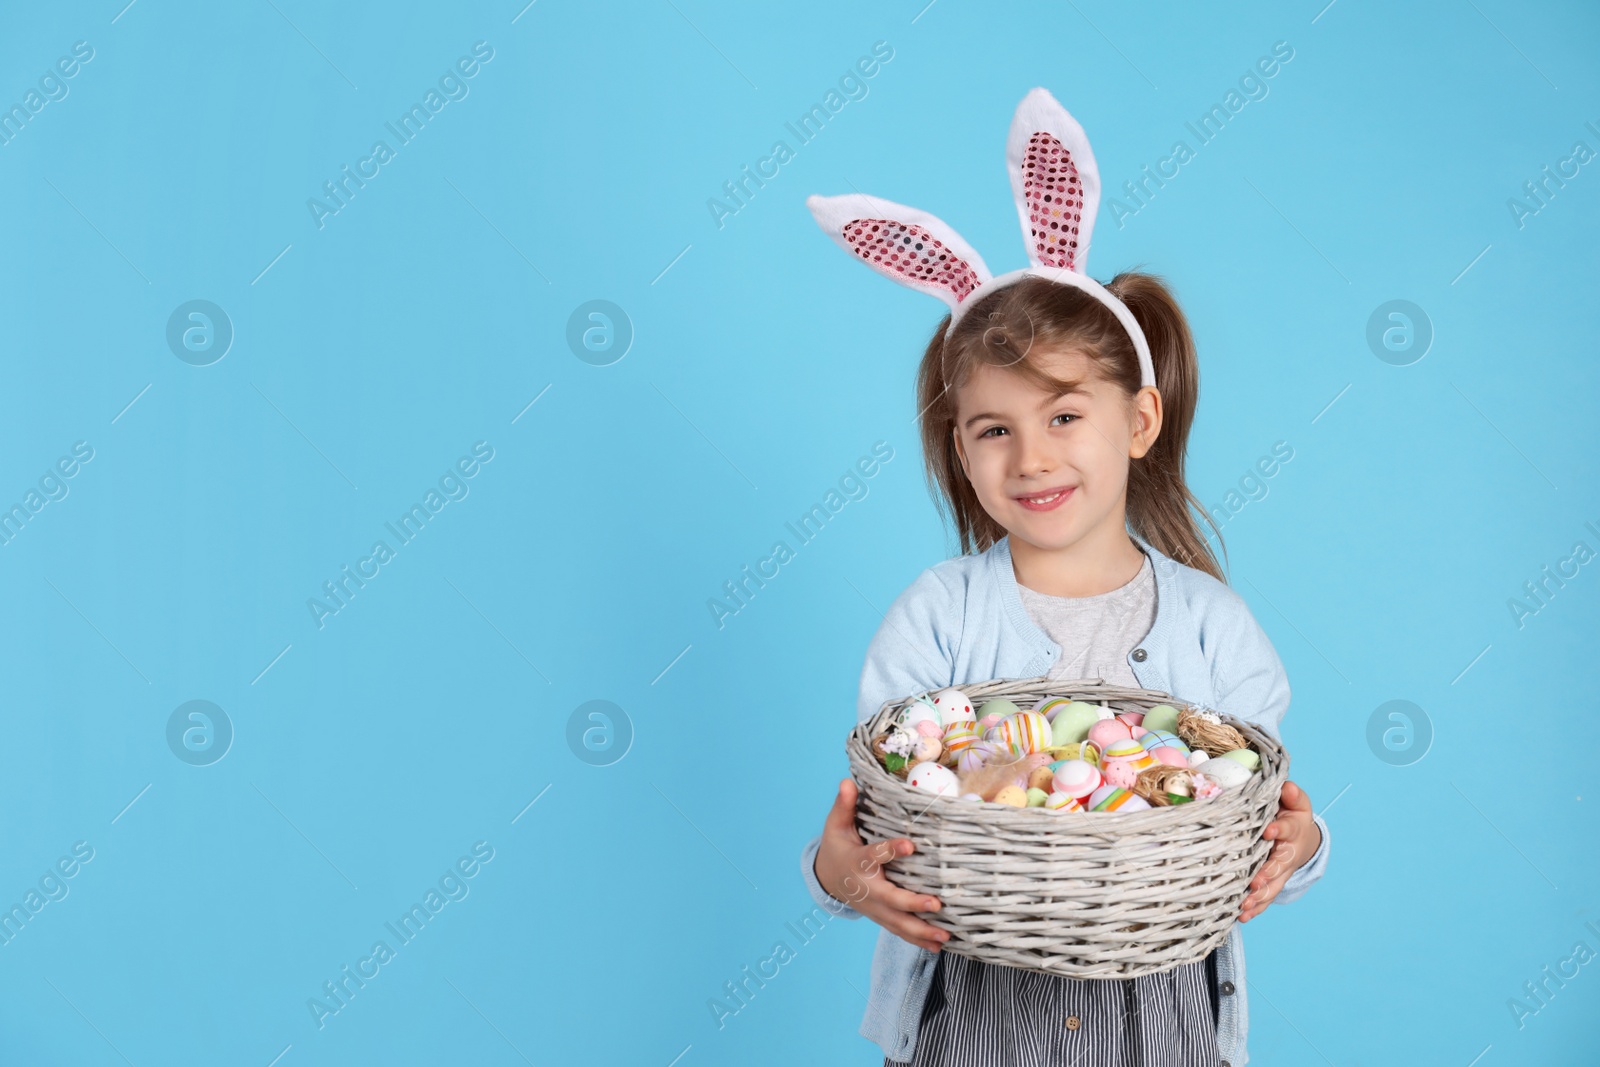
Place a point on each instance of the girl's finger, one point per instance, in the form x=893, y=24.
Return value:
x=916, y=930
x=842, y=816
x=904, y=900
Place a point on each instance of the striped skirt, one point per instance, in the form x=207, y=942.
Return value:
x=985, y=1015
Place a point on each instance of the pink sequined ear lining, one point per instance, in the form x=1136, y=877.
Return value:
x=913, y=252
x=1055, y=200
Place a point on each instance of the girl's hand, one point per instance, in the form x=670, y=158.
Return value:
x=1297, y=839
x=852, y=871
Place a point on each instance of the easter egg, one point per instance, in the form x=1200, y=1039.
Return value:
x=1244, y=757
x=999, y=707
x=1171, y=757
x=1155, y=739
x=928, y=728
x=1161, y=717
x=1116, y=798
x=958, y=735
x=1036, y=798
x=1132, y=718
x=928, y=749
x=1123, y=760
x=1013, y=795
x=1109, y=731
x=1024, y=732
x=1225, y=772
x=1084, y=750
x=987, y=723
x=1077, y=778
x=1048, y=706
x=953, y=705
x=976, y=754
x=1130, y=752
x=917, y=712
x=935, y=779
x=1040, y=778
x=1059, y=801
x=1197, y=757
x=1072, y=722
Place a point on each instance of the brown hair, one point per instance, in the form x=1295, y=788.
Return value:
x=1036, y=314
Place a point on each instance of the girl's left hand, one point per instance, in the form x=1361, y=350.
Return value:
x=1296, y=839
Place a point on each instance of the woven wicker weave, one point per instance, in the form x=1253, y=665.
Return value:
x=1085, y=894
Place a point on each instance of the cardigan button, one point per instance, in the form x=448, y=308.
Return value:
x=1073, y=1022
x=1227, y=989
x=1140, y=655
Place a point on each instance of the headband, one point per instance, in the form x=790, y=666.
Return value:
x=1056, y=186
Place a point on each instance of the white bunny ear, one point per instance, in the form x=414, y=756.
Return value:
x=903, y=244
x=1054, y=180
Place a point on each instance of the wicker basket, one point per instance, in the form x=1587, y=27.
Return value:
x=1082, y=895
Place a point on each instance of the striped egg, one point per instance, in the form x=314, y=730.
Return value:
x=1077, y=778
x=1123, y=760
x=1048, y=706
x=1115, y=798
x=1155, y=739
x=959, y=735
x=1023, y=733
x=976, y=754
x=1062, y=802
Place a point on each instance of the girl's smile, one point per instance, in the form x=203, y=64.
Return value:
x=1048, y=500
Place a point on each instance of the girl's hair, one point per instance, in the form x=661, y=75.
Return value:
x=1036, y=315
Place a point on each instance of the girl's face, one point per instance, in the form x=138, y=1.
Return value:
x=1053, y=471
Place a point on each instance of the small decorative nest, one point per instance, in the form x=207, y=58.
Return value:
x=1206, y=730
x=1160, y=783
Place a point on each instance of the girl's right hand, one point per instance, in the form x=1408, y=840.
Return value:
x=852, y=871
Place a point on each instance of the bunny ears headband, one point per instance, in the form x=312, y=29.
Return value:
x=1056, y=186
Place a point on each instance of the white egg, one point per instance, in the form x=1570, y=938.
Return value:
x=954, y=706
x=1197, y=757
x=942, y=781
x=1224, y=772
x=919, y=711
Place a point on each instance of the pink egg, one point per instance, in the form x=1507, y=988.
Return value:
x=1170, y=756
x=929, y=728
x=1109, y=731
x=1132, y=718
x=1077, y=778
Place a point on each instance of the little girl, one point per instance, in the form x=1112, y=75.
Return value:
x=1054, y=416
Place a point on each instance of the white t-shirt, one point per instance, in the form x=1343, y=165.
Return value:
x=1096, y=633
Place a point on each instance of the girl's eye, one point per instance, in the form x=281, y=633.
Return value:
x=989, y=431
x=1066, y=415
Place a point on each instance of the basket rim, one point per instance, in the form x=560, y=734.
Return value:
x=1273, y=770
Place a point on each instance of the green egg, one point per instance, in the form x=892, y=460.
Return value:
x=998, y=706
x=1036, y=798
x=1161, y=717
x=1072, y=723
x=1244, y=757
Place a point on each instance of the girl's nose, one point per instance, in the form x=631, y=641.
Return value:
x=1033, y=455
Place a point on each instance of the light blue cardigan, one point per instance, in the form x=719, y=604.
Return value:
x=962, y=620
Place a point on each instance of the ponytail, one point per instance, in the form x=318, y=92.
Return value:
x=1161, y=509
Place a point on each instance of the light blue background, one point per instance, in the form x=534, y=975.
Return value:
x=428, y=314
